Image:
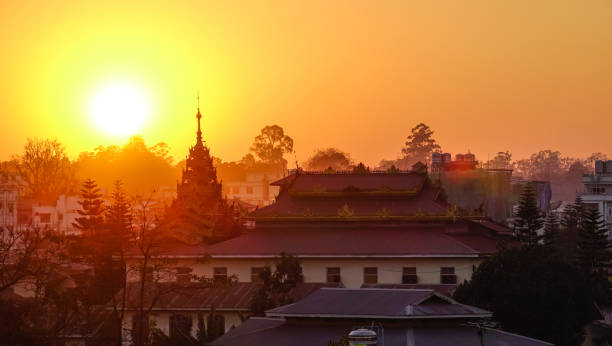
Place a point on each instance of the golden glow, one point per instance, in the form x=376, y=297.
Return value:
x=486, y=75
x=119, y=109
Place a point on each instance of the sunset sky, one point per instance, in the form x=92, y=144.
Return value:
x=358, y=75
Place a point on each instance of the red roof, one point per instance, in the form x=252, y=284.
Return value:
x=358, y=240
x=198, y=296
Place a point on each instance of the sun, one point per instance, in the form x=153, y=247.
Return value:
x=120, y=109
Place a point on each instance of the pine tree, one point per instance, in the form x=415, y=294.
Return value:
x=93, y=208
x=594, y=250
x=119, y=216
x=529, y=218
x=551, y=230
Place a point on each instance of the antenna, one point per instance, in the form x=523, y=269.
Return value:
x=198, y=98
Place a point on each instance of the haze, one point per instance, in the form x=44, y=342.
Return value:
x=358, y=75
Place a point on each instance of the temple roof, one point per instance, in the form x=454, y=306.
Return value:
x=311, y=194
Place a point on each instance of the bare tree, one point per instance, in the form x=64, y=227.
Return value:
x=45, y=169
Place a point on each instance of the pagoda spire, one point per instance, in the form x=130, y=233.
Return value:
x=199, y=116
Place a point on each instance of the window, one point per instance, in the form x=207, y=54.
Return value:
x=220, y=274
x=183, y=274
x=370, y=275
x=249, y=190
x=180, y=327
x=45, y=218
x=236, y=189
x=409, y=275
x=256, y=274
x=333, y=275
x=447, y=275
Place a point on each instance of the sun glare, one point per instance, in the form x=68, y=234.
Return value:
x=119, y=109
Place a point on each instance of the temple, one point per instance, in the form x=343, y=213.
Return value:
x=199, y=211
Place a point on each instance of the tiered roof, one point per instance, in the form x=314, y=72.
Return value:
x=355, y=195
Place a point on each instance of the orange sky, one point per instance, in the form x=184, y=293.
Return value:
x=357, y=75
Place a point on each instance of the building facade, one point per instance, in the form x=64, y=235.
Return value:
x=9, y=200
x=598, y=190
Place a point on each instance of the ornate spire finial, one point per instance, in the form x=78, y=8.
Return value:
x=199, y=116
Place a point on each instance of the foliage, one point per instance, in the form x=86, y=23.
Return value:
x=271, y=144
x=139, y=167
x=45, y=170
x=277, y=286
x=502, y=160
x=551, y=230
x=420, y=144
x=361, y=169
x=329, y=159
x=92, y=208
x=594, y=254
x=532, y=292
x=529, y=219
x=342, y=342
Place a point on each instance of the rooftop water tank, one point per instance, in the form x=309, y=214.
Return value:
x=362, y=336
x=446, y=157
x=470, y=157
x=459, y=157
x=599, y=167
x=608, y=167
x=436, y=158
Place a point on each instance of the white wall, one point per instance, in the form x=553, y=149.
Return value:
x=351, y=270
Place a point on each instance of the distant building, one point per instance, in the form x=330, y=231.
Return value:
x=598, y=190
x=479, y=191
x=9, y=199
x=253, y=186
x=60, y=216
x=399, y=317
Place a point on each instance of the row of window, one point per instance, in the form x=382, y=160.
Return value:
x=370, y=275
x=236, y=189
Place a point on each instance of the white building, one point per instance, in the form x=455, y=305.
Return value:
x=254, y=188
x=9, y=198
x=598, y=190
x=60, y=217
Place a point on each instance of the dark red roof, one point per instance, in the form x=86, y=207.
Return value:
x=201, y=297
x=306, y=181
x=324, y=194
x=319, y=240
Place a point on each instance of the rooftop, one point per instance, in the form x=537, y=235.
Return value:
x=377, y=303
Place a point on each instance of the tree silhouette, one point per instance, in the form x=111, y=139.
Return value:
x=329, y=158
x=271, y=144
x=529, y=218
x=420, y=144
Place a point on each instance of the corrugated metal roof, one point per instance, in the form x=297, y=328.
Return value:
x=381, y=303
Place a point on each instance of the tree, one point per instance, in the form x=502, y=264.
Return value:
x=33, y=259
x=420, y=144
x=271, y=144
x=532, y=292
x=120, y=238
x=551, y=230
x=92, y=214
x=529, y=218
x=594, y=247
x=276, y=286
x=45, y=169
x=329, y=158
x=503, y=160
